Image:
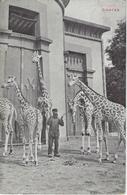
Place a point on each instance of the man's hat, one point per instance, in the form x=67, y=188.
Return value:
x=54, y=110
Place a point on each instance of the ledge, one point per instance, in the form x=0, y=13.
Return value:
x=32, y=38
x=19, y=40
x=43, y=39
x=82, y=36
x=86, y=23
x=23, y=36
x=90, y=71
x=3, y=31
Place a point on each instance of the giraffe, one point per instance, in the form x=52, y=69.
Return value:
x=30, y=117
x=106, y=110
x=86, y=109
x=44, y=101
x=88, y=113
x=7, y=111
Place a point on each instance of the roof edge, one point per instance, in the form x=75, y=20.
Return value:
x=90, y=24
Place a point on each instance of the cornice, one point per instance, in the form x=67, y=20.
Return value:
x=82, y=36
x=83, y=29
x=44, y=40
x=86, y=23
x=89, y=71
x=3, y=31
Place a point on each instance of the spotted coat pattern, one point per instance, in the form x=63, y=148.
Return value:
x=44, y=102
x=110, y=111
x=31, y=118
x=7, y=111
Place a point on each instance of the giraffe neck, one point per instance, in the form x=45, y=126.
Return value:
x=76, y=98
x=21, y=99
x=42, y=84
x=90, y=94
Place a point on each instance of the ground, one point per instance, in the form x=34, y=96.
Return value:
x=72, y=173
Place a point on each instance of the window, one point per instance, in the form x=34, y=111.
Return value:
x=22, y=20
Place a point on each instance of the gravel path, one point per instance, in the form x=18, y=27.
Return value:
x=72, y=173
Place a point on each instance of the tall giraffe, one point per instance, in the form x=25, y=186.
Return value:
x=7, y=111
x=32, y=118
x=86, y=109
x=106, y=110
x=44, y=101
x=88, y=114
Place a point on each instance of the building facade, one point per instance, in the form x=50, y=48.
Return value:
x=66, y=44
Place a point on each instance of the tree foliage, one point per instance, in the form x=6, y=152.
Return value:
x=117, y=48
x=115, y=83
x=116, y=76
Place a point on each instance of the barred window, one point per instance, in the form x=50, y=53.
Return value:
x=22, y=20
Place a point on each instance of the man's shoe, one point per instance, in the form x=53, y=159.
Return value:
x=50, y=155
x=57, y=155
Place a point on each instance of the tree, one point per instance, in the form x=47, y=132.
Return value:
x=115, y=84
x=117, y=48
x=116, y=76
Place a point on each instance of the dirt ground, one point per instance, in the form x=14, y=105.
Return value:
x=72, y=173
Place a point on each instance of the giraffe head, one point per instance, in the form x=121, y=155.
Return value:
x=36, y=57
x=9, y=83
x=73, y=79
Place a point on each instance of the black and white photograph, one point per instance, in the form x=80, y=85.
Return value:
x=63, y=97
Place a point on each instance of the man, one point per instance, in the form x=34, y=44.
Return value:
x=53, y=135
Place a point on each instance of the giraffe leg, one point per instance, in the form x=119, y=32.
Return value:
x=36, y=143
x=10, y=128
x=105, y=132
x=11, y=137
x=97, y=142
x=30, y=155
x=5, y=126
x=31, y=151
x=100, y=150
x=82, y=147
x=6, y=143
x=38, y=137
x=39, y=141
x=121, y=129
x=22, y=129
x=39, y=132
x=96, y=134
x=117, y=149
x=89, y=148
x=99, y=126
x=11, y=142
x=89, y=127
x=89, y=121
x=27, y=154
x=83, y=134
x=106, y=147
x=24, y=150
